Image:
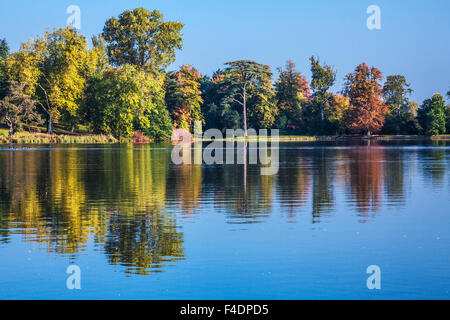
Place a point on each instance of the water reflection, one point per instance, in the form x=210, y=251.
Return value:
x=322, y=187
x=61, y=197
x=132, y=201
x=366, y=179
x=434, y=165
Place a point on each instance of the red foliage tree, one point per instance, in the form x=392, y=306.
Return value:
x=367, y=112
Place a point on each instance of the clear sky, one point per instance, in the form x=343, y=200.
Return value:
x=413, y=40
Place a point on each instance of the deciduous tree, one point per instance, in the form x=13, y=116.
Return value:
x=368, y=111
x=124, y=100
x=54, y=70
x=432, y=115
x=17, y=108
x=396, y=92
x=4, y=53
x=184, y=97
x=447, y=118
x=323, y=78
x=98, y=61
x=143, y=39
x=335, y=111
x=292, y=92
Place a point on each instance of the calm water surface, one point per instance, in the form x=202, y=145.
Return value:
x=140, y=227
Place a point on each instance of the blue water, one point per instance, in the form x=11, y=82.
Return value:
x=140, y=227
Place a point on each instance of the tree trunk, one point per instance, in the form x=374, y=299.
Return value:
x=11, y=130
x=321, y=119
x=50, y=125
x=245, y=113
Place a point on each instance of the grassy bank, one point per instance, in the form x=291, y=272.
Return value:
x=43, y=138
x=63, y=137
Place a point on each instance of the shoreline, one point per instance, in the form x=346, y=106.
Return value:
x=363, y=138
x=339, y=138
x=42, y=138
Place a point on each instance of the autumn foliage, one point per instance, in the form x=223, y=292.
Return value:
x=368, y=111
x=121, y=85
x=183, y=96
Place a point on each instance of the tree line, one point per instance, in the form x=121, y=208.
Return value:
x=119, y=85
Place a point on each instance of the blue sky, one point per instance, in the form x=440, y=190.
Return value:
x=413, y=40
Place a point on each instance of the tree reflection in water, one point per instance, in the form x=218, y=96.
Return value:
x=128, y=200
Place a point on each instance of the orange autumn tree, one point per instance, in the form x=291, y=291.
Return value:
x=367, y=112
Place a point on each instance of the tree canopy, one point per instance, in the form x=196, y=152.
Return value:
x=4, y=49
x=396, y=92
x=368, y=110
x=142, y=38
x=122, y=99
x=432, y=115
x=4, y=53
x=323, y=78
x=54, y=69
x=245, y=77
x=184, y=97
x=292, y=93
x=17, y=108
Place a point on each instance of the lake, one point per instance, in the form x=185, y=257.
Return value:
x=140, y=227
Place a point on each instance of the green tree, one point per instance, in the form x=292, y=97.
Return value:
x=17, y=108
x=54, y=69
x=4, y=53
x=410, y=124
x=292, y=92
x=4, y=49
x=262, y=111
x=447, y=125
x=219, y=109
x=124, y=100
x=323, y=78
x=184, y=97
x=248, y=79
x=335, y=112
x=432, y=115
x=98, y=60
x=143, y=39
x=396, y=92
x=447, y=118
x=160, y=123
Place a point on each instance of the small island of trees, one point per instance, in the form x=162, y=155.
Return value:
x=119, y=87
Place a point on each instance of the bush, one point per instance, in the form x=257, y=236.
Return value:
x=140, y=137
